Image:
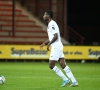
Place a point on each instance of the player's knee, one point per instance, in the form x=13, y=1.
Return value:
x=50, y=66
x=62, y=65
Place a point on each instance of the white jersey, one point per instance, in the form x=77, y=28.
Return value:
x=51, y=30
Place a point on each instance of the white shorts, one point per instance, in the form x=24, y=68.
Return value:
x=56, y=53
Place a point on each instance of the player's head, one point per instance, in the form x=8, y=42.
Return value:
x=48, y=15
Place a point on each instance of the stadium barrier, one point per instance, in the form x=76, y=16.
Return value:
x=34, y=52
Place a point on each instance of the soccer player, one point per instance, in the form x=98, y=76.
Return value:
x=56, y=54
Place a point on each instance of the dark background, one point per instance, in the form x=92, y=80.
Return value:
x=83, y=16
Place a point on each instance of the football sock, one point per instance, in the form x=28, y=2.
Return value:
x=69, y=74
x=59, y=73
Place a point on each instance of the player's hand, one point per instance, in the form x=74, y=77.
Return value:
x=48, y=47
x=41, y=46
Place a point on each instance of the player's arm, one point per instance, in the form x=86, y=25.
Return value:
x=44, y=43
x=53, y=40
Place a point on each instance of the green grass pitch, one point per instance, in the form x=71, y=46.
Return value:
x=38, y=76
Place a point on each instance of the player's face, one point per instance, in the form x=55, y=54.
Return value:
x=45, y=16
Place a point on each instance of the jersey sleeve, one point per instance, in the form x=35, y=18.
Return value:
x=54, y=29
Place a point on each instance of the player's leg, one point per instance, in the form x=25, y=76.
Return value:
x=68, y=71
x=56, y=69
x=54, y=57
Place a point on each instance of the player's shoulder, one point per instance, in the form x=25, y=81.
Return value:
x=52, y=23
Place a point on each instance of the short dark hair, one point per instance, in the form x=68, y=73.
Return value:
x=50, y=13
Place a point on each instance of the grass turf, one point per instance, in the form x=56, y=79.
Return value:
x=37, y=76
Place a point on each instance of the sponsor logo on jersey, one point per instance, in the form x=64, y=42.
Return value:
x=53, y=28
